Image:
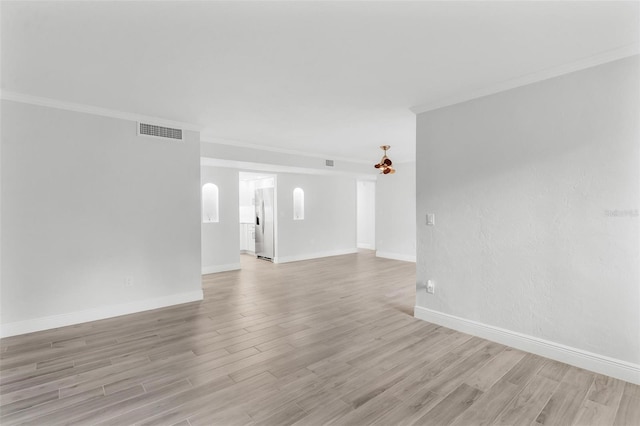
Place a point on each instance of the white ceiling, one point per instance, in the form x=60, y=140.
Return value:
x=324, y=77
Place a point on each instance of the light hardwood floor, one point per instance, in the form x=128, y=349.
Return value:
x=329, y=341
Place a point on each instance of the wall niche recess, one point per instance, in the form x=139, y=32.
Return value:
x=298, y=204
x=210, y=203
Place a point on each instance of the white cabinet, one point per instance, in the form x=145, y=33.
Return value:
x=247, y=238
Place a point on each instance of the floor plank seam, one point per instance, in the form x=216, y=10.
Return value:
x=339, y=345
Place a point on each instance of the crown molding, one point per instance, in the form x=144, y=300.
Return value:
x=123, y=115
x=591, y=61
x=88, y=109
x=242, y=144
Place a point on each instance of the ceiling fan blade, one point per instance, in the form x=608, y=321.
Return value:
x=385, y=163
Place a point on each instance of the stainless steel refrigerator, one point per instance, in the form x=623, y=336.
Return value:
x=264, y=223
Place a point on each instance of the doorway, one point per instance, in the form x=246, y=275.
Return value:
x=257, y=200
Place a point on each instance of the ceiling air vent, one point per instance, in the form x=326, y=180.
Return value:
x=159, y=131
x=328, y=163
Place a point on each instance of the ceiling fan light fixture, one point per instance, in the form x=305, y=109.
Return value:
x=385, y=163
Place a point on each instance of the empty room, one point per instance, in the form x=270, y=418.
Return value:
x=320, y=213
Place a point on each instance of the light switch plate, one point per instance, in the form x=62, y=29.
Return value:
x=431, y=219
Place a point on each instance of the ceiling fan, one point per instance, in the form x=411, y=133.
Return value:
x=385, y=163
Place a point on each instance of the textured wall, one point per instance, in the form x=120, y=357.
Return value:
x=396, y=213
x=525, y=185
x=85, y=204
x=221, y=240
x=366, y=214
x=329, y=225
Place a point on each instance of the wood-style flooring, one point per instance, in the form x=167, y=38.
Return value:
x=328, y=341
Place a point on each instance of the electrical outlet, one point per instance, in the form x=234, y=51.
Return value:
x=128, y=281
x=431, y=287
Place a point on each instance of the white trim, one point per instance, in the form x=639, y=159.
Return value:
x=220, y=268
x=366, y=246
x=309, y=256
x=88, y=109
x=592, y=61
x=242, y=144
x=71, y=318
x=619, y=369
x=396, y=256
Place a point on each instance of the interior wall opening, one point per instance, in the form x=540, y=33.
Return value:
x=257, y=198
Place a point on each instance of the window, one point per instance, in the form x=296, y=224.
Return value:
x=298, y=204
x=209, y=203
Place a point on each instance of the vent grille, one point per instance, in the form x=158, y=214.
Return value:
x=328, y=163
x=159, y=131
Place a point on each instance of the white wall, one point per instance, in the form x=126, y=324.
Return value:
x=247, y=208
x=522, y=184
x=366, y=214
x=247, y=217
x=396, y=213
x=221, y=240
x=329, y=225
x=253, y=154
x=85, y=204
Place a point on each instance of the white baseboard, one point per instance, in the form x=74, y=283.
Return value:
x=62, y=320
x=251, y=252
x=619, y=369
x=220, y=268
x=366, y=246
x=396, y=256
x=317, y=255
